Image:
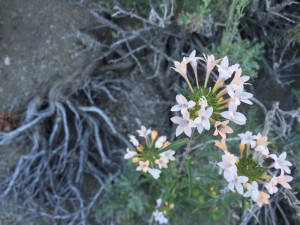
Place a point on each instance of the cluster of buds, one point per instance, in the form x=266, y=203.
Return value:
x=149, y=155
x=162, y=211
x=204, y=105
x=251, y=170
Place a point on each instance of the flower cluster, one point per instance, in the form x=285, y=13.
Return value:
x=204, y=105
x=250, y=169
x=149, y=155
x=162, y=211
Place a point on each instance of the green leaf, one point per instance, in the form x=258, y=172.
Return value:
x=181, y=91
x=176, y=144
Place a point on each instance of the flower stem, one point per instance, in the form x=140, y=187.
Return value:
x=247, y=150
x=185, y=153
x=243, y=204
x=206, y=79
x=221, y=93
x=217, y=85
x=189, y=84
x=196, y=77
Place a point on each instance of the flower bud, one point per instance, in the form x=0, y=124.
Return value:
x=166, y=144
x=153, y=135
x=135, y=159
x=140, y=148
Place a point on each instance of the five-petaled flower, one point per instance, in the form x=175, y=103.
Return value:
x=185, y=124
x=280, y=162
x=222, y=128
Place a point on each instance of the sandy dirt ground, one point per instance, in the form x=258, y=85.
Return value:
x=37, y=44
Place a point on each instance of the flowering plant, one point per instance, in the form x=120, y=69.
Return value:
x=150, y=156
x=251, y=168
x=216, y=105
x=254, y=174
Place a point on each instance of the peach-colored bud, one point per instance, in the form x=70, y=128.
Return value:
x=135, y=159
x=221, y=144
x=242, y=148
x=140, y=148
x=197, y=113
x=266, y=177
x=171, y=206
x=153, y=135
x=166, y=144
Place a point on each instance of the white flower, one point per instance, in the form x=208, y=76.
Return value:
x=228, y=164
x=158, y=202
x=240, y=96
x=143, y=166
x=238, y=79
x=183, y=104
x=203, y=102
x=261, y=144
x=162, y=162
x=281, y=163
x=271, y=186
x=159, y=217
x=202, y=120
x=252, y=191
x=154, y=172
x=236, y=183
x=248, y=139
x=180, y=67
x=284, y=179
x=225, y=71
x=232, y=88
x=185, y=124
x=233, y=115
x=210, y=62
x=228, y=160
x=129, y=154
x=144, y=132
x=262, y=149
x=263, y=198
x=133, y=140
x=222, y=128
x=193, y=60
x=160, y=141
x=168, y=154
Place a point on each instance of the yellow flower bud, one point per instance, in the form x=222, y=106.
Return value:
x=140, y=148
x=166, y=144
x=242, y=148
x=153, y=135
x=266, y=177
x=135, y=159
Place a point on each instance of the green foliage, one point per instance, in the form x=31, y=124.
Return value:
x=204, y=8
x=244, y=52
x=175, y=144
x=125, y=200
